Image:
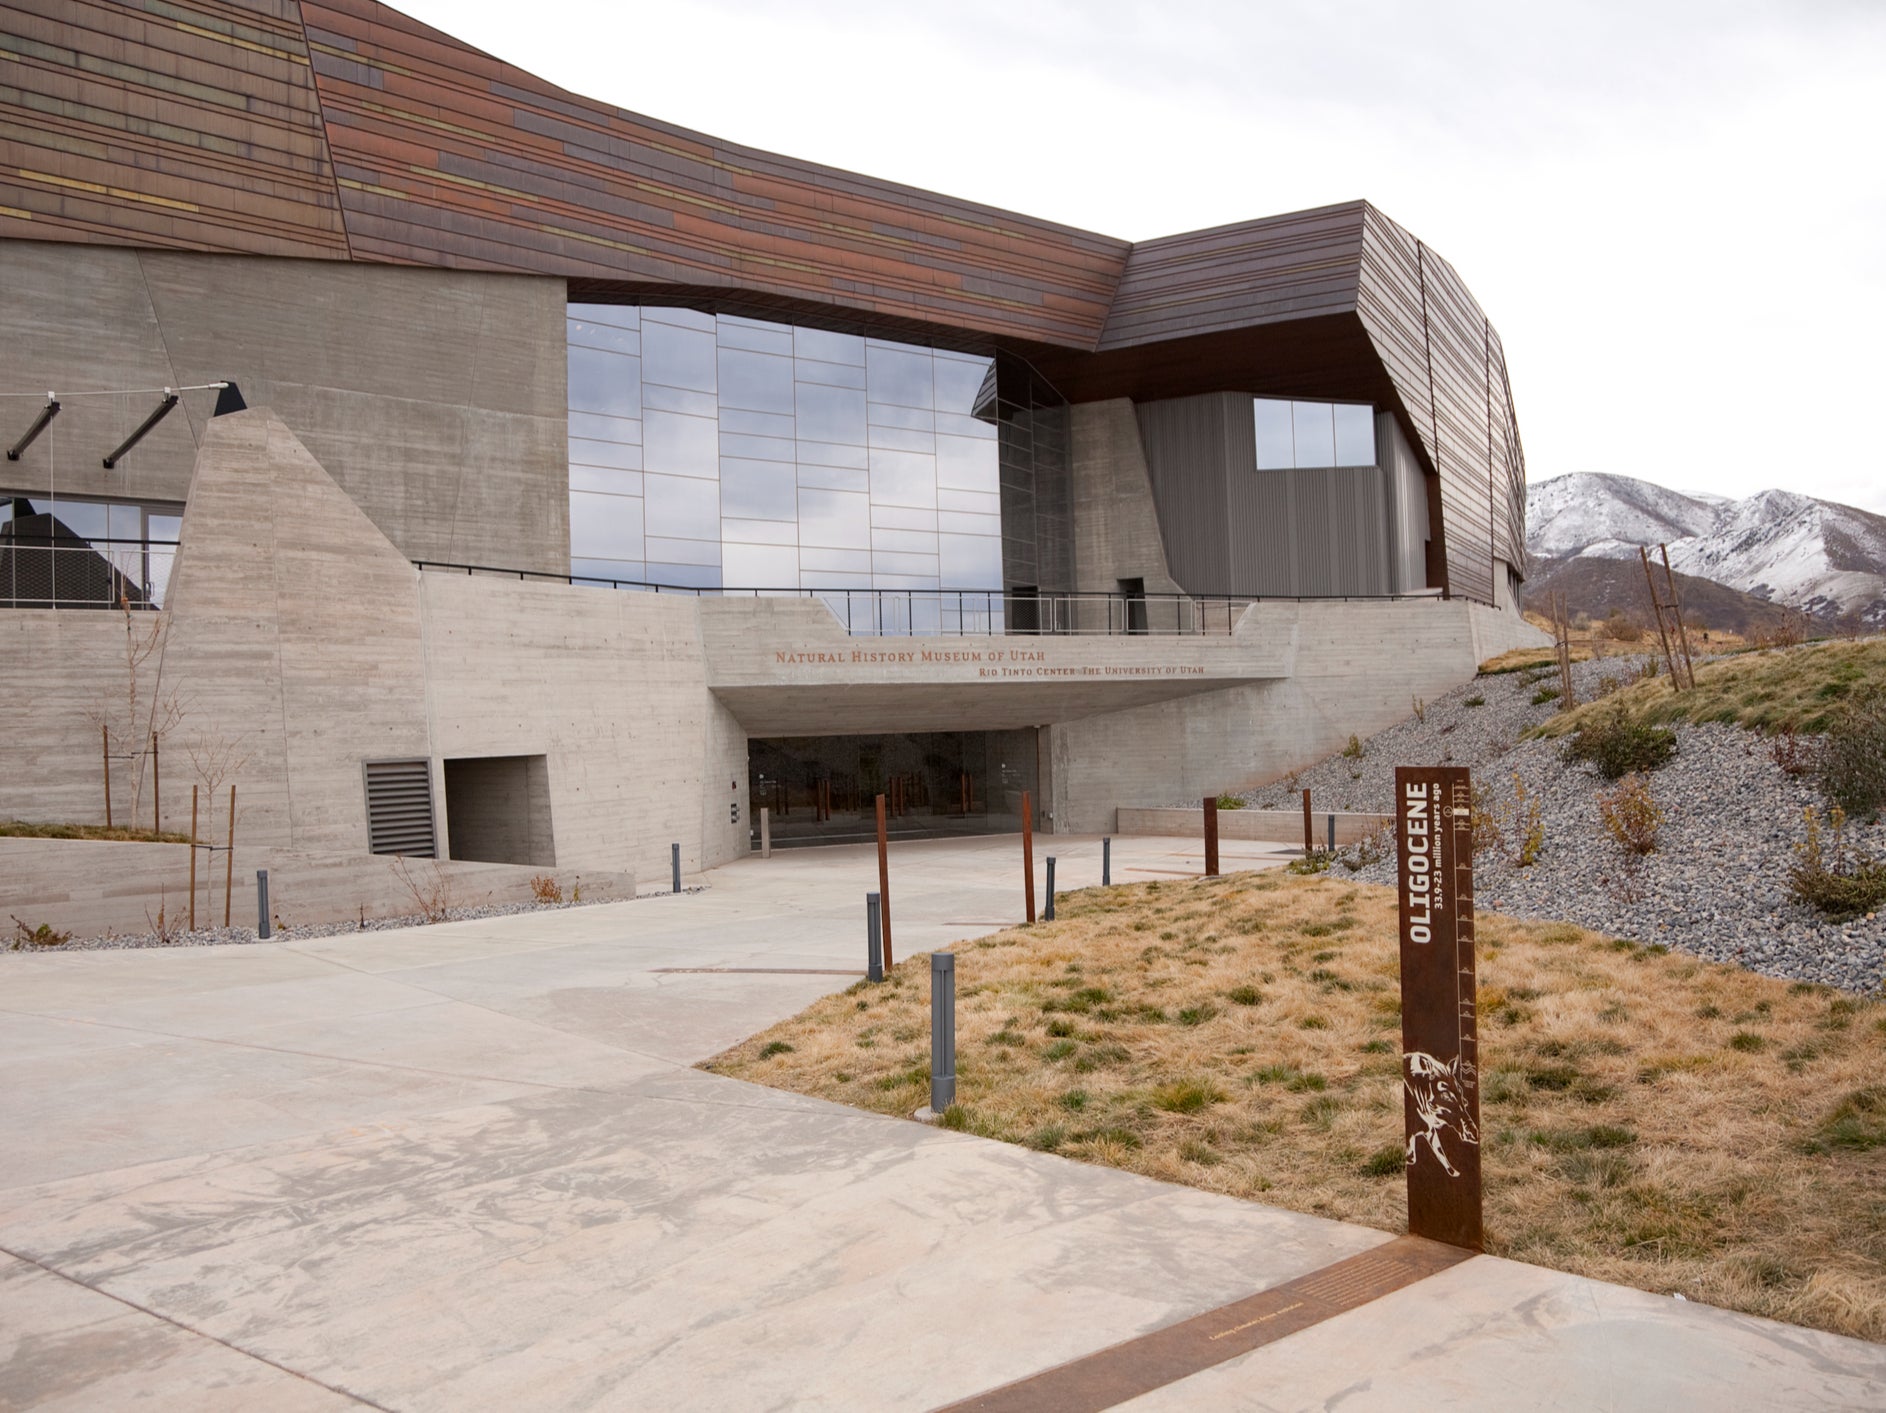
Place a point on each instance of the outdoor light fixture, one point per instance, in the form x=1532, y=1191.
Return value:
x=162, y=411
x=46, y=414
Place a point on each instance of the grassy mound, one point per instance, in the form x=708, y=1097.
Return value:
x=1778, y=689
x=21, y=829
x=1648, y=1118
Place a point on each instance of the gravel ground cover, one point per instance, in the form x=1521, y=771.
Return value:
x=226, y=936
x=1717, y=885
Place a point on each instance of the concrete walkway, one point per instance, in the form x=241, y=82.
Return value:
x=470, y=1166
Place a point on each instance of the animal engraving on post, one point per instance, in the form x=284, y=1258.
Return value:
x=1438, y=1091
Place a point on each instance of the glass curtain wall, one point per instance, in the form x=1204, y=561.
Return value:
x=711, y=452
x=824, y=789
x=1037, y=490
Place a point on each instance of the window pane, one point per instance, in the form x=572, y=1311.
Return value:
x=900, y=375
x=759, y=381
x=1315, y=429
x=837, y=519
x=680, y=358
x=828, y=348
x=760, y=566
x=1275, y=446
x=605, y=382
x=758, y=490
x=679, y=445
x=605, y=527
x=1355, y=435
x=828, y=414
x=957, y=382
x=682, y=506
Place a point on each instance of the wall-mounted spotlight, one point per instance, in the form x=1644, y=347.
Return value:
x=46, y=414
x=161, y=411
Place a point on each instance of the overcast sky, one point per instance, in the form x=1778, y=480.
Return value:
x=1674, y=213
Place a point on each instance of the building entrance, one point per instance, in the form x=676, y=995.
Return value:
x=824, y=789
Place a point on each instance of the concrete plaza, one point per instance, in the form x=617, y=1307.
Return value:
x=471, y=1166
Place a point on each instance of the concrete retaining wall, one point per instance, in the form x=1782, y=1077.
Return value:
x=91, y=889
x=1269, y=826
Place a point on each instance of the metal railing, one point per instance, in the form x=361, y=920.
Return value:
x=45, y=571
x=965, y=612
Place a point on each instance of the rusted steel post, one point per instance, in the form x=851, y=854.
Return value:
x=1211, y=836
x=884, y=886
x=1028, y=856
x=1676, y=607
x=229, y=857
x=1439, y=1027
x=1656, y=607
x=1309, y=827
x=193, y=790
x=104, y=737
x=157, y=815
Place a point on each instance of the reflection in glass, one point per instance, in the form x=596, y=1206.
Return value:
x=1315, y=433
x=1355, y=435
x=792, y=443
x=678, y=445
x=1276, y=448
x=679, y=358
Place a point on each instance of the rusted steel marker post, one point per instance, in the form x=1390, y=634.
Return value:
x=884, y=885
x=1211, y=836
x=1309, y=829
x=1439, y=1034
x=1028, y=857
x=104, y=735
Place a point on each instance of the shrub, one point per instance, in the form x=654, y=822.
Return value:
x=1631, y=817
x=1544, y=695
x=45, y=935
x=546, y=890
x=1229, y=801
x=1316, y=861
x=774, y=1047
x=1528, y=825
x=1853, y=757
x=1420, y=711
x=1791, y=755
x=1607, y=684
x=1620, y=746
x=1836, y=878
x=1354, y=750
x=1475, y=700
x=1620, y=627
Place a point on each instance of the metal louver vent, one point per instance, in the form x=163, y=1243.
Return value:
x=399, y=808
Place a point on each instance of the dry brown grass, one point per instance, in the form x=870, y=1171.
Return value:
x=1648, y=1118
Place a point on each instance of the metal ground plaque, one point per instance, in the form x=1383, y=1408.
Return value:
x=1439, y=1038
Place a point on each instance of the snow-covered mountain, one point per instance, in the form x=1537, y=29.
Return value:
x=1791, y=549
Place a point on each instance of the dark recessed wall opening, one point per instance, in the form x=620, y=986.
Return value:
x=824, y=789
x=497, y=810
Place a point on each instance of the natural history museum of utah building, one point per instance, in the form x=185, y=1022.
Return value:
x=578, y=484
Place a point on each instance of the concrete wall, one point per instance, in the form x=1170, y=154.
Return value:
x=91, y=889
x=1116, y=526
x=1353, y=668
x=435, y=398
x=1270, y=826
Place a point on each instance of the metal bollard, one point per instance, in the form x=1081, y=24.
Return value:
x=1106, y=863
x=262, y=930
x=1332, y=833
x=942, y=1031
x=674, y=857
x=766, y=833
x=1048, y=916
x=873, y=940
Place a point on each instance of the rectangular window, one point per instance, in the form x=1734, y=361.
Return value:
x=1312, y=435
